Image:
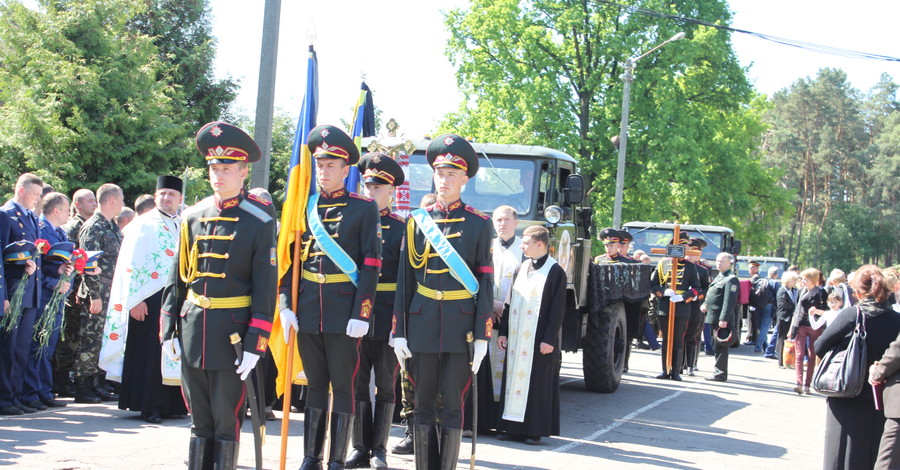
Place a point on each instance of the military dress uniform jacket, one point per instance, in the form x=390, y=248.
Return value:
x=721, y=298
x=688, y=285
x=392, y=228
x=606, y=259
x=100, y=234
x=327, y=307
x=23, y=225
x=234, y=259
x=435, y=326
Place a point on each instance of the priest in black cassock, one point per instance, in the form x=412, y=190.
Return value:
x=530, y=333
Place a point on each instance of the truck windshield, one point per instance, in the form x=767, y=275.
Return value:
x=508, y=181
x=645, y=239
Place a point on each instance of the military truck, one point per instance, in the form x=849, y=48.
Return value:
x=765, y=262
x=649, y=235
x=544, y=187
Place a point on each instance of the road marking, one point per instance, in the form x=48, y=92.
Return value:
x=568, y=381
x=624, y=420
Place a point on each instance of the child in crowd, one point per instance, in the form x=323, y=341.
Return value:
x=835, y=304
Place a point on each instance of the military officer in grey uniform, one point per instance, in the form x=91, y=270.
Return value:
x=444, y=290
x=721, y=298
x=380, y=176
x=341, y=259
x=224, y=282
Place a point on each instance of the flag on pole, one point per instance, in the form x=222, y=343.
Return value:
x=301, y=173
x=363, y=126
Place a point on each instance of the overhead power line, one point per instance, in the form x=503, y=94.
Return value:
x=768, y=37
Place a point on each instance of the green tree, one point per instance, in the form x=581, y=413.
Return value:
x=81, y=98
x=547, y=73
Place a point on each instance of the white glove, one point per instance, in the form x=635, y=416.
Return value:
x=676, y=298
x=401, y=351
x=480, y=352
x=288, y=321
x=669, y=293
x=357, y=328
x=752, y=309
x=171, y=349
x=246, y=364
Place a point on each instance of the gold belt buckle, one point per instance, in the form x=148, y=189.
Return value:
x=438, y=295
x=203, y=301
x=321, y=278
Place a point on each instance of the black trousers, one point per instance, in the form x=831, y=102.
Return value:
x=677, y=341
x=330, y=359
x=444, y=375
x=378, y=355
x=216, y=400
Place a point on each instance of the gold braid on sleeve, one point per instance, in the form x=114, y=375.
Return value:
x=416, y=260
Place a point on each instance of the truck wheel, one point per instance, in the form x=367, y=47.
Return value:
x=603, y=349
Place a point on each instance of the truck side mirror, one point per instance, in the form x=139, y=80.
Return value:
x=574, y=189
x=736, y=248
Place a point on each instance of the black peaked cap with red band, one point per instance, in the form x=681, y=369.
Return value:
x=221, y=142
x=379, y=168
x=452, y=151
x=327, y=141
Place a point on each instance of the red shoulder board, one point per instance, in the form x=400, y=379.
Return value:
x=357, y=196
x=477, y=212
x=397, y=217
x=254, y=197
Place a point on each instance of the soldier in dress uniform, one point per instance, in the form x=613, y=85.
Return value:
x=686, y=291
x=611, y=239
x=224, y=282
x=696, y=321
x=380, y=175
x=625, y=239
x=444, y=291
x=341, y=261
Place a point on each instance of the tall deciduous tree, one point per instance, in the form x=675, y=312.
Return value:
x=81, y=98
x=548, y=73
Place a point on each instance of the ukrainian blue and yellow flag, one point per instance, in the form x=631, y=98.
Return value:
x=363, y=126
x=301, y=173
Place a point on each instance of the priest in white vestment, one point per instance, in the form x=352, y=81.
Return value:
x=530, y=335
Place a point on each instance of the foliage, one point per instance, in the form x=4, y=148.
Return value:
x=548, y=73
x=838, y=150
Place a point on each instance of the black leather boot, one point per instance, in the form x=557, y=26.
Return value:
x=313, y=438
x=226, y=455
x=384, y=415
x=450, y=447
x=200, y=453
x=84, y=392
x=426, y=447
x=405, y=447
x=340, y=439
x=362, y=436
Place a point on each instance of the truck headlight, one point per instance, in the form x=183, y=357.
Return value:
x=553, y=214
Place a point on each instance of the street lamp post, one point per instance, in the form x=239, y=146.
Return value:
x=628, y=77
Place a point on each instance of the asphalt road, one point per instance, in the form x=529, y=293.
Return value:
x=754, y=420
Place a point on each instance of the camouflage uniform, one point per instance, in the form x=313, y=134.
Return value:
x=97, y=234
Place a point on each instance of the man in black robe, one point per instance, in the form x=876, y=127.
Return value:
x=540, y=283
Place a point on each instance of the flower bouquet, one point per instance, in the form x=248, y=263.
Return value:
x=11, y=319
x=43, y=328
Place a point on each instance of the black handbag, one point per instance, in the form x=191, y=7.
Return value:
x=842, y=372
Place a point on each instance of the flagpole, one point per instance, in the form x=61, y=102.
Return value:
x=288, y=384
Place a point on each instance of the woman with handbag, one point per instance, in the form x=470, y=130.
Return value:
x=853, y=426
x=785, y=301
x=812, y=301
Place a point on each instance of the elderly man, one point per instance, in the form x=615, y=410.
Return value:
x=131, y=353
x=15, y=344
x=721, y=298
x=99, y=233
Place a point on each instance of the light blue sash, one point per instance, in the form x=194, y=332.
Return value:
x=458, y=268
x=338, y=256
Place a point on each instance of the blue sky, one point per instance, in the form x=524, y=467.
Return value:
x=400, y=45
